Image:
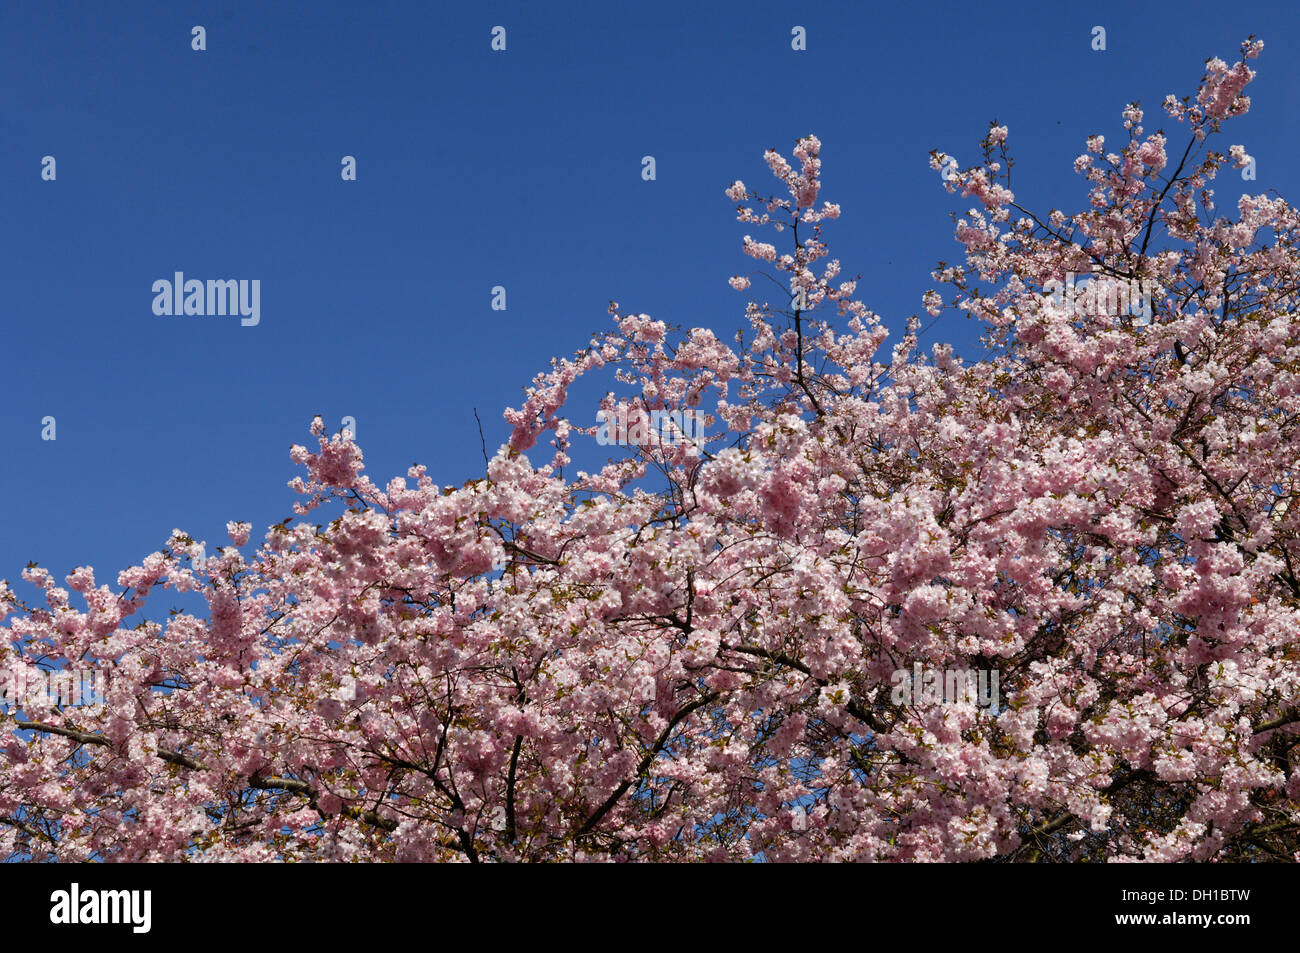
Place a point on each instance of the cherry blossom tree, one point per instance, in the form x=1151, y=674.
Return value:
x=689, y=654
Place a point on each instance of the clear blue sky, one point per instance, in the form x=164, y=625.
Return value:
x=475, y=169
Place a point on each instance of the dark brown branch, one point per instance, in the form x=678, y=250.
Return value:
x=292, y=785
x=613, y=799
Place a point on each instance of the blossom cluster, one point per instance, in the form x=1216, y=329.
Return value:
x=687, y=654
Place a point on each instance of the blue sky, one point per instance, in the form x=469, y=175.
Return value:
x=476, y=169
